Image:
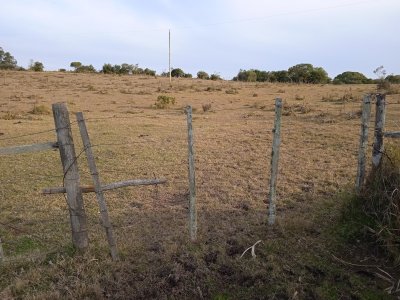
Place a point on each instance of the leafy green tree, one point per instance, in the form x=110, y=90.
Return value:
x=350, y=77
x=280, y=76
x=203, y=75
x=75, y=64
x=7, y=61
x=85, y=69
x=36, y=66
x=108, y=69
x=149, y=72
x=177, y=73
x=306, y=73
x=215, y=76
x=393, y=78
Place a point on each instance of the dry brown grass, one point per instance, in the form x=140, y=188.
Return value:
x=232, y=144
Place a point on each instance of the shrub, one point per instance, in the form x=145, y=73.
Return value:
x=350, y=77
x=381, y=200
x=36, y=66
x=164, y=101
x=206, y=107
x=177, y=73
x=40, y=110
x=202, y=75
x=215, y=76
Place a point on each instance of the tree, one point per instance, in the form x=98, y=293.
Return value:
x=75, y=64
x=306, y=73
x=393, y=78
x=7, y=61
x=215, y=76
x=350, y=77
x=177, y=73
x=202, y=75
x=36, y=66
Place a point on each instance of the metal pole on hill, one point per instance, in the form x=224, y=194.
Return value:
x=169, y=55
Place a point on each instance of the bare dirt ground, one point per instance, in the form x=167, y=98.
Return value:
x=302, y=257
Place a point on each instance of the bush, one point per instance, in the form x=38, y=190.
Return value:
x=177, y=73
x=206, y=107
x=202, y=75
x=381, y=198
x=36, y=66
x=215, y=77
x=350, y=77
x=164, y=101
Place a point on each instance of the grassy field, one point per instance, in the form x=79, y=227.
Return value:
x=308, y=254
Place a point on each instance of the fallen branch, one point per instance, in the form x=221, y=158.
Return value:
x=253, y=251
x=111, y=186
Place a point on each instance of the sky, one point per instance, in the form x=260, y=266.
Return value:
x=216, y=36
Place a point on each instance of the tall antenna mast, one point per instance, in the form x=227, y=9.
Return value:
x=169, y=54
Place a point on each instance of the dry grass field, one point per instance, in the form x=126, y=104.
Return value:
x=302, y=257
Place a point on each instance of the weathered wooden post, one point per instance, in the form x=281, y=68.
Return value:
x=379, y=130
x=71, y=176
x=274, y=161
x=105, y=220
x=192, y=179
x=365, y=117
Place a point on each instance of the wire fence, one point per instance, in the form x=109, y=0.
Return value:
x=232, y=159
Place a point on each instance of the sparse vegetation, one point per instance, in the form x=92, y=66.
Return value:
x=206, y=107
x=40, y=110
x=381, y=202
x=164, y=101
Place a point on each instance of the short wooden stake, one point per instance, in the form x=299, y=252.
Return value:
x=71, y=176
x=192, y=179
x=378, y=133
x=97, y=186
x=274, y=161
x=365, y=117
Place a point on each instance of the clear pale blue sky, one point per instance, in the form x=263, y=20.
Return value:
x=220, y=36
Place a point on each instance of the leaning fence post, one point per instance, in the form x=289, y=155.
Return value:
x=105, y=220
x=274, y=161
x=192, y=181
x=71, y=176
x=366, y=113
x=378, y=133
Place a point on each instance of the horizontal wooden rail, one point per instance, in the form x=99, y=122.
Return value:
x=28, y=148
x=111, y=186
x=392, y=134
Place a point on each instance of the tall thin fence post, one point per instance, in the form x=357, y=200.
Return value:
x=97, y=186
x=365, y=117
x=274, y=161
x=378, y=132
x=71, y=176
x=192, y=179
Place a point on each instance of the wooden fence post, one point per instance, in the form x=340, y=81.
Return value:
x=365, y=117
x=71, y=176
x=192, y=179
x=274, y=161
x=378, y=133
x=105, y=220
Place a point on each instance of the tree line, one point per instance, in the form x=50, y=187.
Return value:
x=300, y=73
